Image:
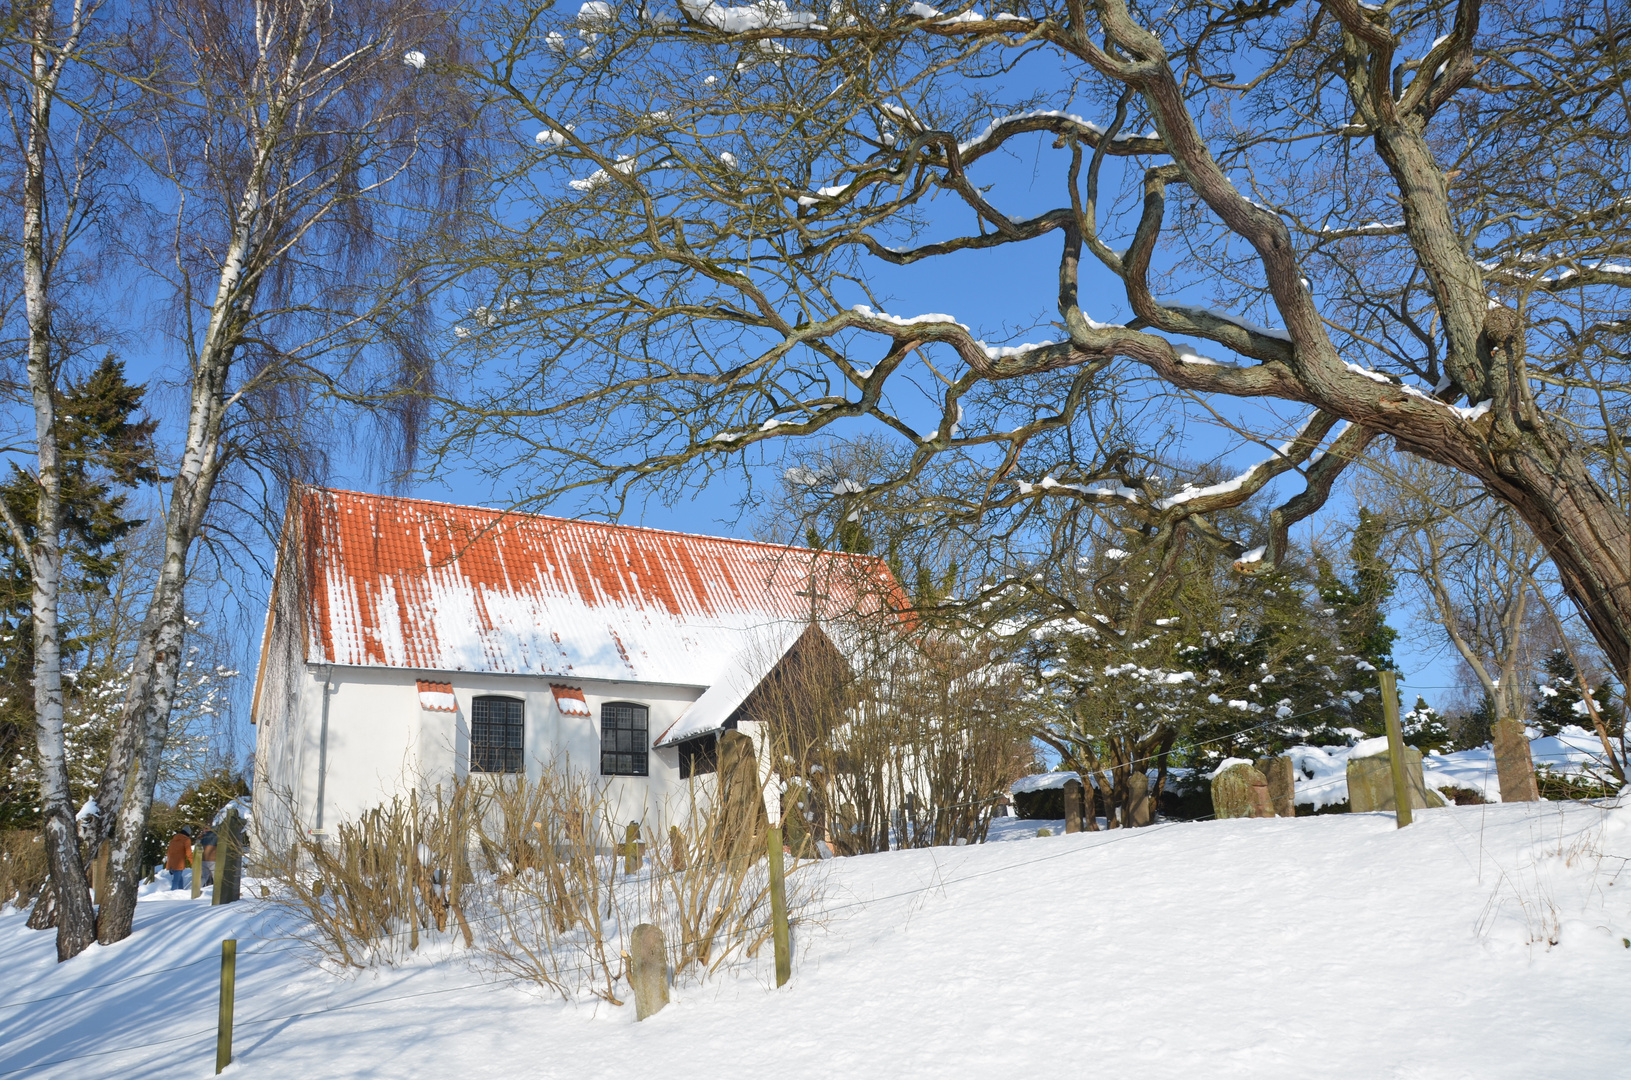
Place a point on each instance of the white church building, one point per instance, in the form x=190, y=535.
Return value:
x=411, y=643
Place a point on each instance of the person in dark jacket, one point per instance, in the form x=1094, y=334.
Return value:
x=179, y=854
x=207, y=842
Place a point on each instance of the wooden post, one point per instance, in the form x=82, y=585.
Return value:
x=223, y=1024
x=198, y=870
x=1395, y=749
x=778, y=908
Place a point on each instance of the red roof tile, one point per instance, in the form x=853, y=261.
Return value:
x=409, y=583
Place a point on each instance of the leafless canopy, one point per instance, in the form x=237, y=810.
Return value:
x=1408, y=219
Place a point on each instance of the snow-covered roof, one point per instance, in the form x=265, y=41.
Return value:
x=1043, y=782
x=737, y=679
x=397, y=582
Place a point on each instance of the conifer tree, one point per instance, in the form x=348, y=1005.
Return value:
x=1360, y=607
x=107, y=450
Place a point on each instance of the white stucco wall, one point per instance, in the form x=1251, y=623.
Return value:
x=381, y=742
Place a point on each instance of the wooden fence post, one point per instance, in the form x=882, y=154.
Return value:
x=1395, y=749
x=223, y=1025
x=778, y=908
x=198, y=870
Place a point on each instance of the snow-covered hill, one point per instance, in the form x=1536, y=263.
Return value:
x=1484, y=941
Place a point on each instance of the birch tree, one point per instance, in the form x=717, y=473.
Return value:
x=298, y=142
x=1403, y=220
x=59, y=105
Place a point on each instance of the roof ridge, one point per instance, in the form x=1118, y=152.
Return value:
x=611, y=525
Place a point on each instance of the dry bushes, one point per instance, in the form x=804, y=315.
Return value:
x=562, y=909
x=530, y=874
x=22, y=866
x=905, y=744
x=371, y=890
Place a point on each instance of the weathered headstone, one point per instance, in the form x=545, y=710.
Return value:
x=742, y=806
x=631, y=849
x=1138, y=799
x=1232, y=791
x=1370, y=783
x=229, y=859
x=1044, y=832
x=1282, y=778
x=648, y=970
x=676, y=848
x=1073, y=806
x=1514, y=765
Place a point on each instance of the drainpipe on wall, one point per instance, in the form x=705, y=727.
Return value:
x=322, y=749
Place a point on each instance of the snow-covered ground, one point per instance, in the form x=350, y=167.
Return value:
x=1482, y=942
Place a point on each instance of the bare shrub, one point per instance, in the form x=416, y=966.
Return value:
x=22, y=866
x=530, y=873
x=560, y=909
x=894, y=741
x=369, y=891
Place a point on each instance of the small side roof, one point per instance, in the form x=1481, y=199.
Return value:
x=739, y=678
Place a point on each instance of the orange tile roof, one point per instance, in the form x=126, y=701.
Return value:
x=410, y=583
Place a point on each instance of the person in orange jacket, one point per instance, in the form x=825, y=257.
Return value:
x=179, y=855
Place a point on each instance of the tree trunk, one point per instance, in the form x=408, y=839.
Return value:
x=75, y=919
x=144, y=723
x=1588, y=536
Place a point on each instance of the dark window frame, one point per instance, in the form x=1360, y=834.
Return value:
x=498, y=743
x=625, y=739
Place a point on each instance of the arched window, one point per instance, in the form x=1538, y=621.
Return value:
x=495, y=735
x=624, y=739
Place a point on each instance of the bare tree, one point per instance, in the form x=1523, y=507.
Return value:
x=297, y=142
x=1474, y=565
x=59, y=105
x=1382, y=212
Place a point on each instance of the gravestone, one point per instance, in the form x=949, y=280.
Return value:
x=676, y=848
x=1138, y=799
x=1073, y=806
x=1282, y=778
x=1370, y=783
x=648, y=970
x=631, y=849
x=1232, y=791
x=229, y=859
x=742, y=817
x=1514, y=765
